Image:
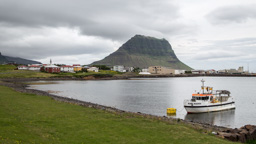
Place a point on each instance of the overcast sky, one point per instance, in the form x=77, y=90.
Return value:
x=205, y=34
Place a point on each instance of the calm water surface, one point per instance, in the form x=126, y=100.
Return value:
x=154, y=96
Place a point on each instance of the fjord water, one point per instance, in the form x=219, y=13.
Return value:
x=155, y=95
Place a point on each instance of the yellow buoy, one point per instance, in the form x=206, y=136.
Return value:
x=171, y=111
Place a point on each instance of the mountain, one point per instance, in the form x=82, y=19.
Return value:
x=2, y=59
x=143, y=51
x=16, y=60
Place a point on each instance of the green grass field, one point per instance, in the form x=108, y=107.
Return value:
x=28, y=118
x=7, y=71
x=101, y=73
x=7, y=67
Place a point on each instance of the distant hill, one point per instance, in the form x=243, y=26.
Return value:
x=2, y=59
x=143, y=51
x=16, y=60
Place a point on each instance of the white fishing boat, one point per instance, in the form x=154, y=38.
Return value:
x=209, y=100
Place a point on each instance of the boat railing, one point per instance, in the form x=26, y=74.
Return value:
x=219, y=93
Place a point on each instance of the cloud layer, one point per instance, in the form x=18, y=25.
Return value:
x=83, y=31
x=232, y=14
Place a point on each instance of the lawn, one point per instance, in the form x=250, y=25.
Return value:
x=8, y=71
x=29, y=118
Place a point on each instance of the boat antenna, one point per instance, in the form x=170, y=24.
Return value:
x=248, y=67
x=203, y=84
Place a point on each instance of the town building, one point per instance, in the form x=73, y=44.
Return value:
x=160, y=70
x=144, y=70
x=222, y=71
x=34, y=67
x=211, y=71
x=240, y=69
x=93, y=69
x=128, y=69
x=179, y=71
x=66, y=68
x=198, y=71
x=22, y=67
x=52, y=69
x=119, y=68
x=77, y=67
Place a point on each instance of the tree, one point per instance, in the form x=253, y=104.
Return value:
x=102, y=67
x=137, y=69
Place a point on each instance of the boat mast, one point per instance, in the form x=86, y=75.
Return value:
x=203, y=84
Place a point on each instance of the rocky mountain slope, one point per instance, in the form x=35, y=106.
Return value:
x=143, y=51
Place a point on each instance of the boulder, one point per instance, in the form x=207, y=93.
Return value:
x=235, y=130
x=249, y=127
x=252, y=134
x=229, y=136
x=242, y=137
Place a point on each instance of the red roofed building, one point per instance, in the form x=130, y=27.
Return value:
x=76, y=65
x=67, y=68
x=52, y=69
x=22, y=67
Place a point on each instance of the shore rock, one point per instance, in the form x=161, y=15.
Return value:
x=245, y=133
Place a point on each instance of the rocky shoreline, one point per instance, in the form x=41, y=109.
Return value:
x=243, y=134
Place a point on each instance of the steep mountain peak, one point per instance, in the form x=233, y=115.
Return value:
x=147, y=45
x=144, y=51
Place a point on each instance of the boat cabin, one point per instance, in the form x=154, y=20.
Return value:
x=204, y=97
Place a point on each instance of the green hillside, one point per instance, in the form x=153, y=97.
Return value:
x=142, y=51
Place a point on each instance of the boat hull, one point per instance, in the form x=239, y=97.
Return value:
x=210, y=108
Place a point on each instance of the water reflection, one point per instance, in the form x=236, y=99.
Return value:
x=154, y=96
x=223, y=118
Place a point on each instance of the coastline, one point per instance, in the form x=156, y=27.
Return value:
x=119, y=77
x=20, y=86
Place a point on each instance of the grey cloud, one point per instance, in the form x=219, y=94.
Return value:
x=235, y=49
x=232, y=14
x=216, y=55
x=110, y=19
x=42, y=51
x=45, y=42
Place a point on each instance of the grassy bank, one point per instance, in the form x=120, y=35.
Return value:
x=8, y=71
x=100, y=74
x=28, y=118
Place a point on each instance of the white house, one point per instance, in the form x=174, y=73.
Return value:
x=179, y=71
x=119, y=68
x=22, y=67
x=93, y=69
x=144, y=70
x=128, y=69
x=198, y=71
x=34, y=67
x=67, y=68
